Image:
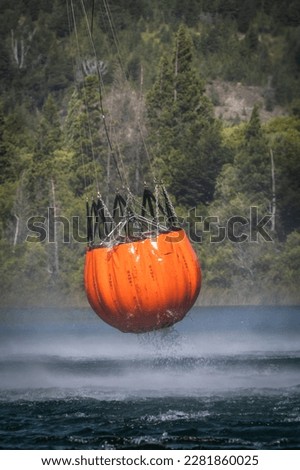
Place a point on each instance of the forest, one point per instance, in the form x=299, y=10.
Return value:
x=163, y=69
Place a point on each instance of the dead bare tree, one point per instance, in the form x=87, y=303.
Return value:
x=20, y=47
x=56, y=255
x=273, y=203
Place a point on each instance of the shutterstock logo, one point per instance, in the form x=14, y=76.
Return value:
x=236, y=229
x=54, y=228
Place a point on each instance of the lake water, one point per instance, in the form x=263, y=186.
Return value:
x=223, y=378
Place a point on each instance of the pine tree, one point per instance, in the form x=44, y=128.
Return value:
x=183, y=132
x=42, y=168
x=284, y=140
x=85, y=136
x=3, y=152
x=13, y=139
x=253, y=162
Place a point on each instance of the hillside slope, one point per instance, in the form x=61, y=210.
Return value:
x=234, y=102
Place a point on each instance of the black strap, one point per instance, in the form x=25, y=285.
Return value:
x=119, y=206
x=98, y=223
x=149, y=199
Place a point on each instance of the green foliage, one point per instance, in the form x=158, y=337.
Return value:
x=83, y=126
x=54, y=152
x=184, y=133
x=284, y=139
x=253, y=162
x=43, y=166
x=242, y=267
x=287, y=266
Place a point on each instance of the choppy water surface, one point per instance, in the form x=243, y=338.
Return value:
x=222, y=378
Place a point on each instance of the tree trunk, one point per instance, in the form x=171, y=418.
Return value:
x=176, y=71
x=56, y=249
x=16, y=229
x=273, y=204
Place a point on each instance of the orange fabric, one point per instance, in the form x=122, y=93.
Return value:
x=143, y=285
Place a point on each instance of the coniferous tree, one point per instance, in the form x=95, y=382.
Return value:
x=85, y=136
x=253, y=162
x=14, y=140
x=284, y=139
x=184, y=134
x=3, y=152
x=42, y=169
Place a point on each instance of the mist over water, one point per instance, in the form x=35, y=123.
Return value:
x=218, y=367
x=204, y=353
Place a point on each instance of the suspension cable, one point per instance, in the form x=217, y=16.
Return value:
x=92, y=20
x=117, y=46
x=74, y=72
x=89, y=136
x=100, y=93
x=112, y=151
x=114, y=35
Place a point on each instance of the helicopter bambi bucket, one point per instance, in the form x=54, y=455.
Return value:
x=143, y=280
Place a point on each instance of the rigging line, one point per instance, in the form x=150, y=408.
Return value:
x=114, y=35
x=74, y=74
x=113, y=133
x=86, y=106
x=122, y=162
x=83, y=162
x=152, y=170
x=116, y=41
x=92, y=20
x=100, y=93
x=117, y=46
x=138, y=206
x=147, y=152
